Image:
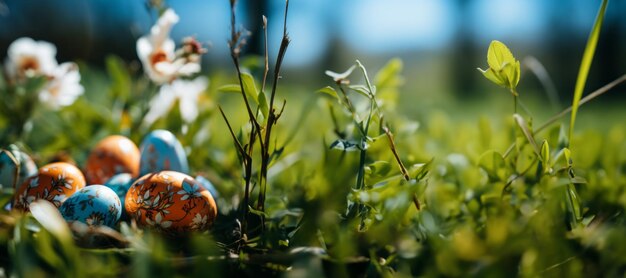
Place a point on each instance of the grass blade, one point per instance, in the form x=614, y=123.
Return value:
x=585, y=64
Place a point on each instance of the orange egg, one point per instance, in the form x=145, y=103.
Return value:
x=54, y=182
x=171, y=202
x=113, y=155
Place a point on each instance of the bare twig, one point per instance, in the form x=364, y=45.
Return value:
x=392, y=145
x=267, y=66
x=272, y=115
x=604, y=89
x=405, y=172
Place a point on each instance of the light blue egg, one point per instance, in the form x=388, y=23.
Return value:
x=94, y=205
x=120, y=184
x=160, y=150
x=15, y=162
x=208, y=186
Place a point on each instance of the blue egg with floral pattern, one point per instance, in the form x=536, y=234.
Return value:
x=94, y=205
x=160, y=150
x=15, y=167
x=120, y=184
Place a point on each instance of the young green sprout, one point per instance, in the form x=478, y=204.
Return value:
x=504, y=69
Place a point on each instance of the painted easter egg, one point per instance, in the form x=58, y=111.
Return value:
x=160, y=150
x=54, y=182
x=94, y=205
x=15, y=167
x=120, y=184
x=171, y=202
x=115, y=154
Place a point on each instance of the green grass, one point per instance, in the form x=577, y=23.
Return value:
x=469, y=222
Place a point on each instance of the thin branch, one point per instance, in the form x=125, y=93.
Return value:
x=230, y=129
x=267, y=66
x=584, y=100
x=272, y=116
x=604, y=89
x=235, y=44
x=392, y=145
x=405, y=172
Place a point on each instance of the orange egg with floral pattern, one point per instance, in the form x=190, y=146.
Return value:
x=171, y=202
x=54, y=182
x=113, y=155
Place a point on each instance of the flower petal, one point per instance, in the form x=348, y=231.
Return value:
x=160, y=104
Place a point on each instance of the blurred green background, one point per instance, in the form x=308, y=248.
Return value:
x=441, y=41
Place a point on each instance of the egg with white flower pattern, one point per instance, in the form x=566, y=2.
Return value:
x=113, y=155
x=160, y=150
x=171, y=202
x=54, y=182
x=15, y=167
x=94, y=205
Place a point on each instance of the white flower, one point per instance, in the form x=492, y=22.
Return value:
x=157, y=52
x=29, y=58
x=199, y=222
x=64, y=87
x=158, y=221
x=187, y=92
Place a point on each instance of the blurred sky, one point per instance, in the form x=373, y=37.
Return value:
x=332, y=33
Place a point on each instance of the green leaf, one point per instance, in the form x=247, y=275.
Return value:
x=249, y=87
x=504, y=69
x=380, y=168
x=230, y=88
x=263, y=105
x=419, y=171
x=498, y=55
x=362, y=90
x=526, y=159
x=511, y=74
x=50, y=218
x=585, y=64
x=389, y=75
x=257, y=212
x=493, y=163
x=492, y=76
x=567, y=155
x=328, y=90
x=545, y=156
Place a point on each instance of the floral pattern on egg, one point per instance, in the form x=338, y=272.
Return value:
x=54, y=182
x=160, y=150
x=170, y=202
x=94, y=205
x=113, y=155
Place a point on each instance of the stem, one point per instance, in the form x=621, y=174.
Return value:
x=604, y=89
x=584, y=100
x=272, y=116
x=405, y=172
x=235, y=45
x=514, y=104
x=247, y=162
